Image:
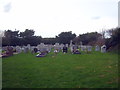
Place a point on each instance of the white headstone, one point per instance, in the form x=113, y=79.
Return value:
x=57, y=46
x=83, y=48
x=48, y=48
x=89, y=48
x=61, y=46
x=42, y=44
x=28, y=46
x=70, y=41
x=97, y=48
x=67, y=45
x=26, y=49
x=18, y=49
x=103, y=49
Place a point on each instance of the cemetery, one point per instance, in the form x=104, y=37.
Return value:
x=59, y=66
x=61, y=62
x=59, y=44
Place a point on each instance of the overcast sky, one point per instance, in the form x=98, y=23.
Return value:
x=51, y=17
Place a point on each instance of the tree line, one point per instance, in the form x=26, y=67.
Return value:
x=16, y=37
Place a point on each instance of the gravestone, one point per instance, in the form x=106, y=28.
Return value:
x=48, y=48
x=22, y=48
x=83, y=48
x=75, y=49
x=71, y=43
x=57, y=47
x=89, y=48
x=43, y=50
x=28, y=46
x=71, y=49
x=97, y=48
x=71, y=46
x=4, y=48
x=61, y=46
x=40, y=47
x=67, y=45
x=42, y=44
x=34, y=50
x=65, y=49
x=103, y=48
x=18, y=49
x=26, y=49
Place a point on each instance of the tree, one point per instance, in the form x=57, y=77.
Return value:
x=27, y=33
x=49, y=40
x=23, y=38
x=89, y=38
x=65, y=37
x=10, y=38
x=114, y=39
x=33, y=41
x=27, y=37
x=109, y=33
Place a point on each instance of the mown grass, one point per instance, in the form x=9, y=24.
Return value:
x=94, y=70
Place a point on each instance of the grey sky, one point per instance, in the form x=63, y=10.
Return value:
x=7, y=7
x=50, y=17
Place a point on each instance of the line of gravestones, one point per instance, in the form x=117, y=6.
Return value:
x=43, y=49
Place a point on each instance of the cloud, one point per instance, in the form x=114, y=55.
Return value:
x=96, y=17
x=7, y=7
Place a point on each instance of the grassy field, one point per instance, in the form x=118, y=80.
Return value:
x=95, y=70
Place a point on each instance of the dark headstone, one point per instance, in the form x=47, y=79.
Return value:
x=65, y=49
x=35, y=50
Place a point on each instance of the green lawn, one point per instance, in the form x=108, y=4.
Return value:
x=95, y=70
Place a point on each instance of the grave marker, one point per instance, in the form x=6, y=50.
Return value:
x=103, y=48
